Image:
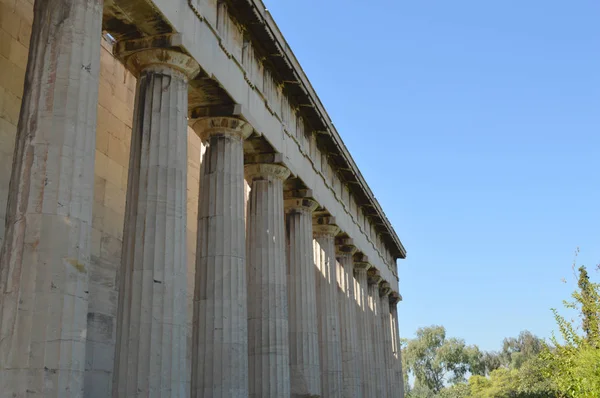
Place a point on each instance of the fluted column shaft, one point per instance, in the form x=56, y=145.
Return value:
x=220, y=331
x=45, y=258
x=387, y=344
x=330, y=339
x=365, y=331
x=268, y=339
x=397, y=355
x=150, y=356
x=351, y=366
x=305, y=370
x=375, y=321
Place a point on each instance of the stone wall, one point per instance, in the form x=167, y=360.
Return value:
x=113, y=135
x=16, y=17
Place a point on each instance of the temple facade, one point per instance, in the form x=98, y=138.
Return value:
x=180, y=216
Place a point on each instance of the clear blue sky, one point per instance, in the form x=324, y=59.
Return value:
x=477, y=126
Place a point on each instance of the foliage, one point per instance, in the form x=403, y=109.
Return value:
x=517, y=351
x=525, y=367
x=421, y=391
x=574, y=364
x=491, y=361
x=460, y=390
x=435, y=360
x=502, y=382
x=407, y=386
x=526, y=382
x=514, y=372
x=589, y=298
x=476, y=360
x=532, y=382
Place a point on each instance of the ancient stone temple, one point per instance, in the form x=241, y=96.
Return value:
x=180, y=217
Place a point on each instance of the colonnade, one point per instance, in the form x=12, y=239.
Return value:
x=283, y=304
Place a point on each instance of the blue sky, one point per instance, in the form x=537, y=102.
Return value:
x=477, y=125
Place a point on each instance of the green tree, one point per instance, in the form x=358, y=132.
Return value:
x=421, y=357
x=588, y=298
x=492, y=360
x=460, y=390
x=407, y=386
x=517, y=351
x=532, y=383
x=526, y=382
x=478, y=385
x=476, y=360
x=573, y=364
x=421, y=391
x=435, y=360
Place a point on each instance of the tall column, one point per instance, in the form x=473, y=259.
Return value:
x=305, y=371
x=365, y=330
x=377, y=341
x=220, y=331
x=398, y=373
x=268, y=348
x=45, y=257
x=351, y=366
x=330, y=339
x=150, y=355
x=386, y=325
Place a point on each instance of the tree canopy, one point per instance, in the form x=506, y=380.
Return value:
x=435, y=360
x=567, y=366
x=573, y=364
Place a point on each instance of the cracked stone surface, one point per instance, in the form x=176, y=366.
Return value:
x=268, y=338
x=220, y=336
x=305, y=369
x=150, y=353
x=46, y=251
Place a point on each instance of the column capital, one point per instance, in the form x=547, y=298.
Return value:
x=160, y=59
x=359, y=268
x=299, y=200
x=298, y=193
x=345, y=251
x=361, y=263
x=206, y=127
x=385, y=289
x=158, y=51
x=320, y=230
x=265, y=171
x=344, y=247
x=325, y=227
x=395, y=298
x=294, y=205
x=374, y=277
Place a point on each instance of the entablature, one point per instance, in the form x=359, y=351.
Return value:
x=249, y=37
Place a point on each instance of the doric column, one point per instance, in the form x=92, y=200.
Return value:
x=220, y=331
x=351, y=361
x=365, y=331
x=387, y=345
x=268, y=348
x=45, y=257
x=330, y=339
x=305, y=371
x=397, y=354
x=377, y=341
x=150, y=355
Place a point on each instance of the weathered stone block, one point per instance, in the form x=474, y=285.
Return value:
x=12, y=77
x=10, y=21
x=114, y=197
